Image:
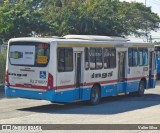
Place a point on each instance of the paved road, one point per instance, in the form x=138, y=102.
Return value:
x=112, y=110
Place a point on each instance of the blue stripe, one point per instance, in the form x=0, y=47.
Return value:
x=30, y=94
x=74, y=95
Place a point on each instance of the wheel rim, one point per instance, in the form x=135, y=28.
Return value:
x=141, y=88
x=94, y=95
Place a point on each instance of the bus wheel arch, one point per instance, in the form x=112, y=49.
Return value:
x=142, y=87
x=95, y=94
x=145, y=82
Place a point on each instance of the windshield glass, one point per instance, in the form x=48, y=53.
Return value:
x=29, y=54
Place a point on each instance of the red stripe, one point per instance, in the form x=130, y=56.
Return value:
x=87, y=84
x=65, y=87
x=101, y=82
x=68, y=86
x=72, y=85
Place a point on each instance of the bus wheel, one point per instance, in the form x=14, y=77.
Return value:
x=141, y=88
x=95, y=95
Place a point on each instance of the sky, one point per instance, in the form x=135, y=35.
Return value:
x=155, y=7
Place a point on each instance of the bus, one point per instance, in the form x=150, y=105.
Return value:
x=78, y=68
x=157, y=50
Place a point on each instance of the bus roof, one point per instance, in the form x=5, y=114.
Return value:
x=95, y=38
x=157, y=45
x=85, y=40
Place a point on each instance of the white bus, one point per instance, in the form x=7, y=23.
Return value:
x=78, y=68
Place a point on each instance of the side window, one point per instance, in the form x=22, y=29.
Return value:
x=92, y=54
x=61, y=59
x=68, y=59
x=65, y=59
x=135, y=59
x=140, y=57
x=106, y=56
x=109, y=57
x=96, y=58
x=113, y=58
x=145, y=57
x=86, y=58
x=99, y=63
x=130, y=56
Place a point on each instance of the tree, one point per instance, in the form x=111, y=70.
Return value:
x=21, y=19
x=103, y=17
x=61, y=17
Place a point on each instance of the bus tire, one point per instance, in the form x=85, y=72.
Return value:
x=95, y=95
x=141, y=88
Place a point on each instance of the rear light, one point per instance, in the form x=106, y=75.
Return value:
x=6, y=78
x=50, y=81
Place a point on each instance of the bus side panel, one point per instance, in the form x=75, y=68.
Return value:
x=134, y=76
x=65, y=84
x=62, y=80
x=132, y=86
x=109, y=90
x=106, y=78
x=65, y=96
x=86, y=93
x=69, y=95
x=30, y=94
x=106, y=90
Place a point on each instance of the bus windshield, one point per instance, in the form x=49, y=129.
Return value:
x=29, y=54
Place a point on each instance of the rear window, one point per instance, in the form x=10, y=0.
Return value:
x=29, y=54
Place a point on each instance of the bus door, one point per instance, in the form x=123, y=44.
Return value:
x=152, y=69
x=78, y=74
x=121, y=71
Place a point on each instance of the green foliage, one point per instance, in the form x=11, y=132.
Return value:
x=103, y=17
x=60, y=17
x=157, y=42
x=20, y=19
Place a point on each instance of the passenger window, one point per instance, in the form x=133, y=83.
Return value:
x=65, y=59
x=61, y=59
x=113, y=58
x=135, y=59
x=86, y=58
x=140, y=57
x=92, y=58
x=96, y=61
x=99, y=63
x=145, y=57
x=68, y=59
x=130, y=56
x=109, y=57
x=106, y=57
